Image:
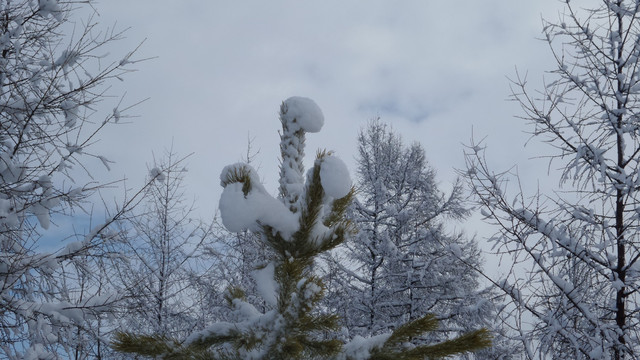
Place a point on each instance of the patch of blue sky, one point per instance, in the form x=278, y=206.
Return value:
x=65, y=229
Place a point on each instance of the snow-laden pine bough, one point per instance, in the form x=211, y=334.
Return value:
x=304, y=221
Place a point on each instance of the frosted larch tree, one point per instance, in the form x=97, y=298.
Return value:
x=164, y=242
x=50, y=82
x=403, y=263
x=575, y=250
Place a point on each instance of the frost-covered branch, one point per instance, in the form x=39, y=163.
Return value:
x=50, y=83
x=576, y=246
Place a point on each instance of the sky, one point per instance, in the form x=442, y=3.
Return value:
x=436, y=71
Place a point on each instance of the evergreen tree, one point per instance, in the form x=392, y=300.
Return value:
x=307, y=220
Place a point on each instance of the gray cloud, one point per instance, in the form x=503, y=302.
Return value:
x=432, y=69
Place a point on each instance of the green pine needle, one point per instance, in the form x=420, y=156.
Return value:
x=144, y=345
x=412, y=329
x=468, y=342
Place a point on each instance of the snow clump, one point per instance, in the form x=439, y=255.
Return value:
x=302, y=113
x=359, y=348
x=241, y=211
x=50, y=7
x=334, y=177
x=156, y=174
x=266, y=285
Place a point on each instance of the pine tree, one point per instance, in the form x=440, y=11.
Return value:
x=307, y=220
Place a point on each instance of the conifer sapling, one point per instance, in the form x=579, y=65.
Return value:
x=307, y=219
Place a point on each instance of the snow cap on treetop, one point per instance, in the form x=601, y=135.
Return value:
x=302, y=113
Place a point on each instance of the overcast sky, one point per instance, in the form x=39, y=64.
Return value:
x=434, y=70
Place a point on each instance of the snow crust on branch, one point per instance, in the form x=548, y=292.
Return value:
x=360, y=348
x=241, y=211
x=266, y=285
x=298, y=116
